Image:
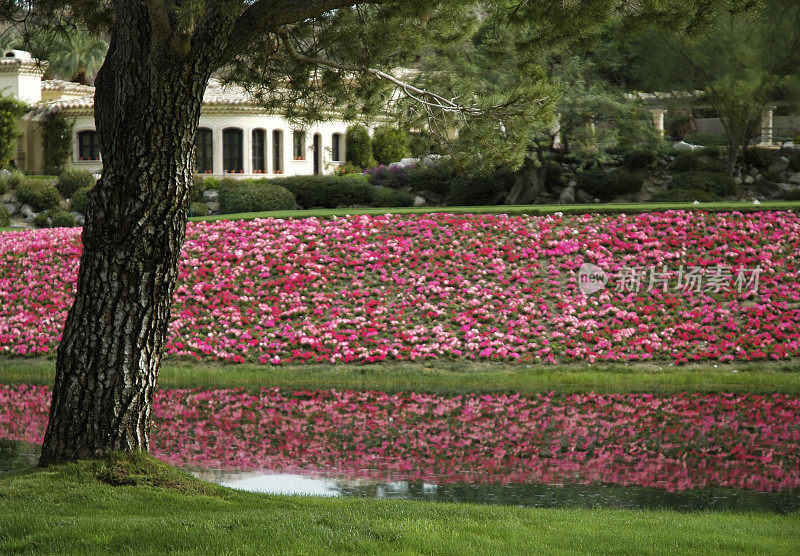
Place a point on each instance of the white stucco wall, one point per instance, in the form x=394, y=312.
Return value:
x=218, y=120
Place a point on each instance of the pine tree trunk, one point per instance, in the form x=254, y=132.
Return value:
x=147, y=107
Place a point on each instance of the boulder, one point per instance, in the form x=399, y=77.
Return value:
x=683, y=146
x=567, y=196
x=572, y=183
x=27, y=212
x=430, y=196
x=582, y=197
x=769, y=189
x=753, y=171
x=749, y=179
x=13, y=208
x=418, y=201
x=211, y=195
x=795, y=178
x=79, y=218
x=780, y=164
x=213, y=206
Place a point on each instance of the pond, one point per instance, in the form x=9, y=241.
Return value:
x=686, y=451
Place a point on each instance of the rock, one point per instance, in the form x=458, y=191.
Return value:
x=756, y=202
x=790, y=147
x=80, y=220
x=683, y=146
x=430, y=196
x=567, y=196
x=211, y=195
x=27, y=212
x=596, y=200
x=753, y=171
x=780, y=164
x=749, y=179
x=769, y=189
x=787, y=187
x=572, y=183
x=213, y=206
x=418, y=201
x=737, y=180
x=795, y=178
x=582, y=197
x=662, y=162
x=13, y=209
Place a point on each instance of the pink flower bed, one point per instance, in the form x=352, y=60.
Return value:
x=491, y=287
x=673, y=442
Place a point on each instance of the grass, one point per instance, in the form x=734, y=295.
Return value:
x=458, y=377
x=608, y=208
x=136, y=504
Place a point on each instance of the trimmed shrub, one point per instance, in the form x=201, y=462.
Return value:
x=197, y=189
x=686, y=162
x=760, y=157
x=359, y=146
x=389, y=144
x=685, y=196
x=479, y=190
x=11, y=110
x=638, y=158
x=41, y=220
x=38, y=195
x=385, y=197
x=61, y=219
x=210, y=183
x=253, y=196
x=5, y=218
x=198, y=209
x=713, y=182
x=79, y=200
x=15, y=179
x=609, y=185
x=72, y=179
x=330, y=191
x=56, y=141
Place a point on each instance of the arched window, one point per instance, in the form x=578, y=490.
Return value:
x=299, y=145
x=232, y=159
x=88, y=147
x=336, y=147
x=277, y=151
x=204, y=151
x=259, y=162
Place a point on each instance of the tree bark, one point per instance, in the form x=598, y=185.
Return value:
x=147, y=106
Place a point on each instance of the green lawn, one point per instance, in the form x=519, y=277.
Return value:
x=122, y=505
x=459, y=376
x=609, y=208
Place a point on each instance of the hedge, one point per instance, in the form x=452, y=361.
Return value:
x=713, y=182
x=5, y=217
x=636, y=159
x=61, y=219
x=479, y=190
x=685, y=196
x=79, y=201
x=389, y=144
x=39, y=196
x=359, y=146
x=70, y=180
x=609, y=185
x=253, y=196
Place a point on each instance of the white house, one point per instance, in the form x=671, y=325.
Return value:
x=235, y=136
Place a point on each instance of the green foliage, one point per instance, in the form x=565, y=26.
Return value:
x=210, y=183
x=712, y=182
x=330, y=191
x=198, y=208
x=760, y=157
x=772, y=176
x=792, y=195
x=636, y=159
x=386, y=197
x=15, y=179
x=79, y=201
x=253, y=196
x=609, y=185
x=5, y=217
x=197, y=189
x=347, y=168
x=41, y=220
x=706, y=139
x=478, y=190
x=686, y=162
x=69, y=181
x=359, y=146
x=56, y=141
x=11, y=110
x=39, y=196
x=389, y=144
x=685, y=196
x=61, y=219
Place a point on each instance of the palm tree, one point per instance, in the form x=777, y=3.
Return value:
x=75, y=55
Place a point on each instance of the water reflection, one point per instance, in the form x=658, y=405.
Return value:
x=504, y=448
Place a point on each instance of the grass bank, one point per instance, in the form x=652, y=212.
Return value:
x=140, y=505
x=606, y=208
x=459, y=377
